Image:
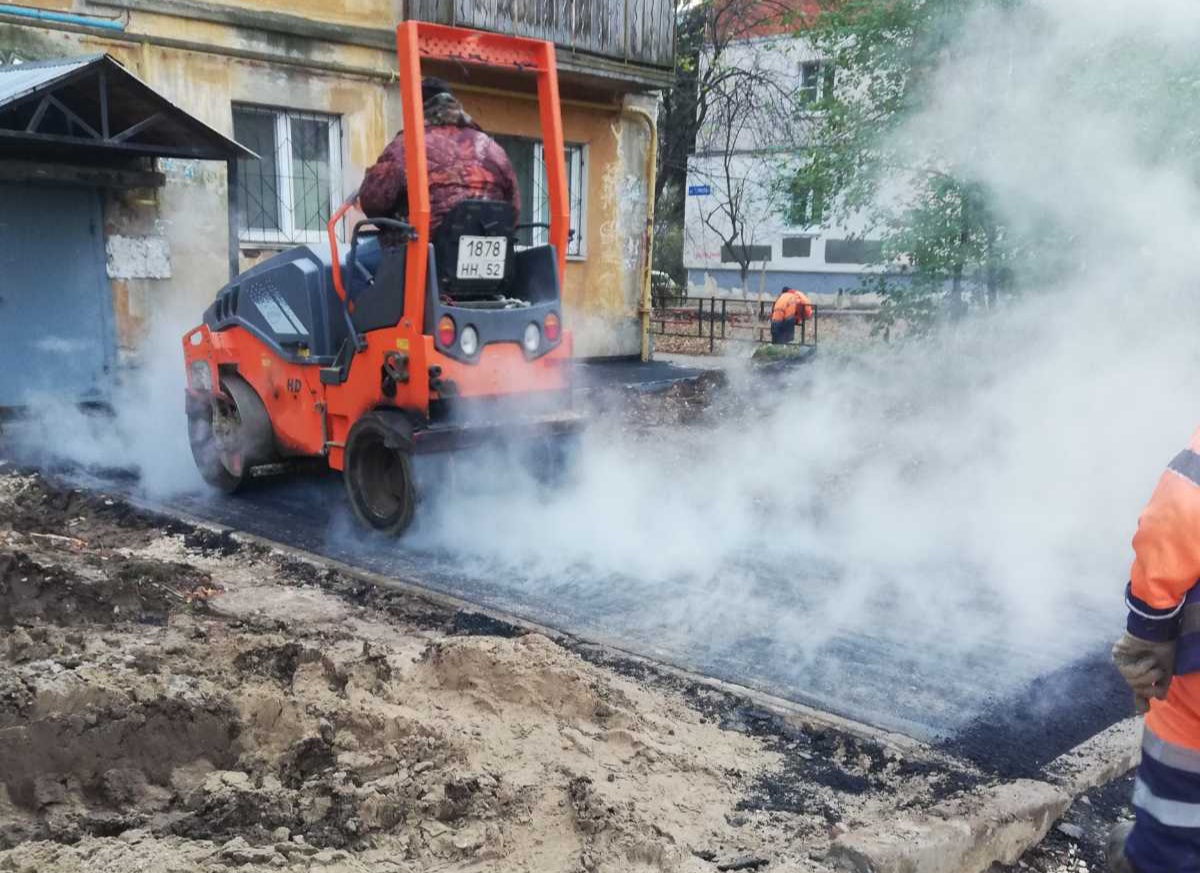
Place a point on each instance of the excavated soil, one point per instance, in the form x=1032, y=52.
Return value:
x=172, y=699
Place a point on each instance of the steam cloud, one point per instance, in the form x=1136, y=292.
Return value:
x=148, y=434
x=978, y=494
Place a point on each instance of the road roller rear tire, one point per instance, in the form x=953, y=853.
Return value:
x=378, y=475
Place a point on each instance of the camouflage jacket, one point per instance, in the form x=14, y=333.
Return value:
x=464, y=163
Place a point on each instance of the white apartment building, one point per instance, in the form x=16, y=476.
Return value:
x=745, y=154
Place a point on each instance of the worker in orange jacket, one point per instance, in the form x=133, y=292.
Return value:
x=790, y=309
x=1159, y=656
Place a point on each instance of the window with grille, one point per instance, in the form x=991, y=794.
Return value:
x=528, y=160
x=288, y=194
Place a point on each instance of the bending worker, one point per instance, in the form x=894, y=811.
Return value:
x=1159, y=656
x=791, y=308
x=464, y=163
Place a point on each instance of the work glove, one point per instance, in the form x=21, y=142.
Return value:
x=1146, y=666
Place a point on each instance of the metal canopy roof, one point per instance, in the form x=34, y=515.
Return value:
x=92, y=105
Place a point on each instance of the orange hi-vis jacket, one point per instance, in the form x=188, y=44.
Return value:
x=792, y=305
x=1164, y=595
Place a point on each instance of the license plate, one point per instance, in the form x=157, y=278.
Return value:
x=481, y=257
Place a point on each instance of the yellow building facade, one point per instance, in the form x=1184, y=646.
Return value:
x=310, y=86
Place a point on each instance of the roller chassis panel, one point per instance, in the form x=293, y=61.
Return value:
x=313, y=419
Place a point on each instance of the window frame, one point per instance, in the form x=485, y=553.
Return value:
x=807, y=207
x=796, y=238
x=851, y=252
x=577, y=163
x=288, y=234
x=822, y=88
x=749, y=250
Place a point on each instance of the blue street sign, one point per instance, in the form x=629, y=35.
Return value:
x=698, y=190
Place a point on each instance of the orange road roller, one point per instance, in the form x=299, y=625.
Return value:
x=364, y=356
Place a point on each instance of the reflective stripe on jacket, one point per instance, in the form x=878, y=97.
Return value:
x=1166, y=803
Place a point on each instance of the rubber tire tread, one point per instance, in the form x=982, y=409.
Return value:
x=394, y=434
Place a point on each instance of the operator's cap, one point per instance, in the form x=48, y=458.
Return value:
x=431, y=86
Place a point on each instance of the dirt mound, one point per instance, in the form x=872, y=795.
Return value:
x=139, y=850
x=173, y=700
x=528, y=671
x=123, y=590
x=101, y=767
x=27, y=503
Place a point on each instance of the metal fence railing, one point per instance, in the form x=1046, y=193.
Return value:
x=723, y=319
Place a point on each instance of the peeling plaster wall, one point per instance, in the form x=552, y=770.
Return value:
x=133, y=214
x=18, y=43
x=138, y=257
x=194, y=201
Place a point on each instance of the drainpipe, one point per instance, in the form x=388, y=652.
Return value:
x=651, y=155
x=60, y=17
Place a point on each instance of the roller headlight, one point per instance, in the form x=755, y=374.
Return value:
x=533, y=338
x=468, y=341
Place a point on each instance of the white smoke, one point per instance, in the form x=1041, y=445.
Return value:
x=146, y=434
x=978, y=494
x=979, y=491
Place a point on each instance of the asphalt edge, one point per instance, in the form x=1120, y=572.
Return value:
x=787, y=710
x=997, y=824
x=966, y=834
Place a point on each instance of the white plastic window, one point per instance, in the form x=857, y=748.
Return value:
x=528, y=158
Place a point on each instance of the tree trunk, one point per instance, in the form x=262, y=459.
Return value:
x=993, y=271
x=958, y=305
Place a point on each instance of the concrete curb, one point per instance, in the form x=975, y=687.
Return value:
x=1108, y=755
x=995, y=825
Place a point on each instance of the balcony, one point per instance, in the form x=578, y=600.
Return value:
x=632, y=40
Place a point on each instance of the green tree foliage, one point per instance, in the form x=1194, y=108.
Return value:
x=982, y=138
x=937, y=223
